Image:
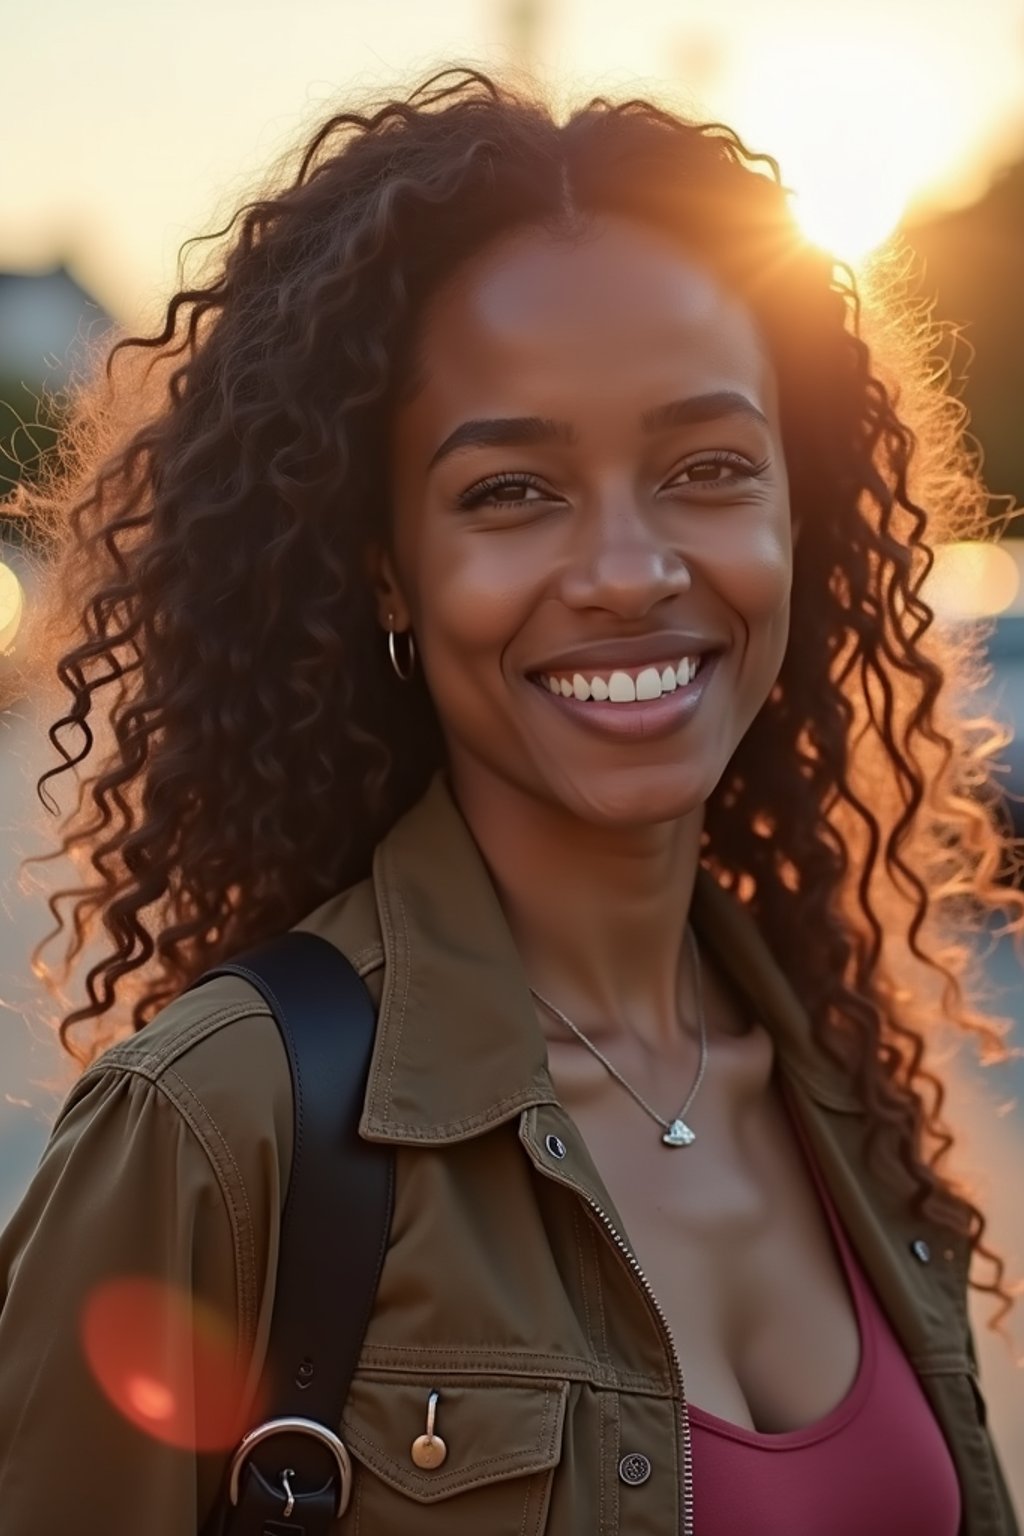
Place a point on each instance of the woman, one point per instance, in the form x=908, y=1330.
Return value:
x=517, y=583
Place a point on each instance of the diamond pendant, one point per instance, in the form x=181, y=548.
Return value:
x=678, y=1135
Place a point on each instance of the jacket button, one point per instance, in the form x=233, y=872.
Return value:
x=555, y=1145
x=634, y=1469
x=428, y=1452
x=920, y=1249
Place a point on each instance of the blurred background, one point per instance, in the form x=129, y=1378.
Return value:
x=131, y=128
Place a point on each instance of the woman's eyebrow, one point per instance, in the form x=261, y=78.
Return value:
x=522, y=431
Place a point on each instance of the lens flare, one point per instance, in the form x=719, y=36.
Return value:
x=152, y=1400
x=166, y=1360
x=12, y=607
x=971, y=580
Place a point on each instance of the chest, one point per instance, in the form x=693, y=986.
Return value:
x=732, y=1235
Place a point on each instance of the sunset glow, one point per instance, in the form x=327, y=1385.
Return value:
x=857, y=132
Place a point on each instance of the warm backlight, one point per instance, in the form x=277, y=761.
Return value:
x=857, y=130
x=12, y=606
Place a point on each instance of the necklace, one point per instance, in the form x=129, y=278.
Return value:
x=676, y=1131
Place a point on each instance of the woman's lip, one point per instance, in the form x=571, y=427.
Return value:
x=647, y=719
x=663, y=650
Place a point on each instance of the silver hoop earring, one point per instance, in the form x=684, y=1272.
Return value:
x=410, y=662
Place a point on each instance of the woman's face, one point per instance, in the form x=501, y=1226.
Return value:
x=638, y=532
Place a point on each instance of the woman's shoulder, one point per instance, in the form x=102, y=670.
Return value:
x=215, y=1055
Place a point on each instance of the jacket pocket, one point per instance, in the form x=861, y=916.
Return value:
x=502, y=1438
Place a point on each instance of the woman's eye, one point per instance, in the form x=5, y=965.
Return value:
x=492, y=491
x=508, y=488
x=720, y=469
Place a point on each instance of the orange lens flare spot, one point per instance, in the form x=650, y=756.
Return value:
x=150, y=1399
x=165, y=1360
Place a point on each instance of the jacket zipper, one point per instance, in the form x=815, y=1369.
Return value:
x=686, y=1526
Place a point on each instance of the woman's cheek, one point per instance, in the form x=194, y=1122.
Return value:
x=479, y=594
x=759, y=583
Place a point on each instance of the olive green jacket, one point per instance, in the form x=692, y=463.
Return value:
x=509, y=1284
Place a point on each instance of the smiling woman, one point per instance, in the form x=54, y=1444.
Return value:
x=509, y=564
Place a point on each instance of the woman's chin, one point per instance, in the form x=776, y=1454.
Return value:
x=640, y=796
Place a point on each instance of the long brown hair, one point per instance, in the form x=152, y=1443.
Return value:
x=209, y=530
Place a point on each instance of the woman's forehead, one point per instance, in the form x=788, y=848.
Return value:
x=621, y=316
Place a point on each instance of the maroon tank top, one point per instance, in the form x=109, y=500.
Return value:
x=877, y=1463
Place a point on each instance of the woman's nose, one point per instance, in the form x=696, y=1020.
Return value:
x=625, y=568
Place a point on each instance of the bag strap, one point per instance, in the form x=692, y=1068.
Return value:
x=291, y=1473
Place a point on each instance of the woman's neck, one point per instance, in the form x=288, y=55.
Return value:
x=598, y=913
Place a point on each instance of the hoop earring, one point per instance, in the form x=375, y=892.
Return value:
x=410, y=663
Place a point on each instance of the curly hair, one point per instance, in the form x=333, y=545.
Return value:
x=205, y=536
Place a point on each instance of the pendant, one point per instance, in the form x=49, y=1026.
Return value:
x=678, y=1135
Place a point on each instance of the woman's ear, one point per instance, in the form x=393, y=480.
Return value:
x=392, y=608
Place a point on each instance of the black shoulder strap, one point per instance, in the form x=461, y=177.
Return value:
x=291, y=1467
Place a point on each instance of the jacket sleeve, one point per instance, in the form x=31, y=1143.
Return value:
x=122, y=1376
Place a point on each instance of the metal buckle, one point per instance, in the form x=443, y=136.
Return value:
x=310, y=1427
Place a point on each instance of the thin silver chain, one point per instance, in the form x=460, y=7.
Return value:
x=665, y=1124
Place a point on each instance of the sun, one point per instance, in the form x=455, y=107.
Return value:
x=857, y=132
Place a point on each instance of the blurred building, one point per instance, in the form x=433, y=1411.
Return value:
x=49, y=325
x=42, y=315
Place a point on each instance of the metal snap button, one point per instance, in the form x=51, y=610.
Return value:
x=920, y=1249
x=634, y=1469
x=429, y=1450
x=556, y=1146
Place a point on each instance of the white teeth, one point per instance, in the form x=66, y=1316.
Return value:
x=621, y=688
x=648, y=684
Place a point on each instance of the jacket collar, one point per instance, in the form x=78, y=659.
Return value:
x=458, y=1047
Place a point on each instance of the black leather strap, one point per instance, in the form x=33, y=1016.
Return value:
x=334, y=1229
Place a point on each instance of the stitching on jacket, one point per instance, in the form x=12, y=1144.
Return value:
x=526, y=1510
x=584, y=1287
x=610, y=1420
x=399, y=1025
x=539, y=1486
x=606, y=1349
x=541, y=1446
x=586, y=1243
x=941, y=1363
x=568, y=1182
x=152, y=1062
x=615, y=1514
x=529, y=1097
x=602, y=1471
x=394, y=1360
x=241, y=1225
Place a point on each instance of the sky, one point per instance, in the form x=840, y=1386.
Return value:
x=130, y=128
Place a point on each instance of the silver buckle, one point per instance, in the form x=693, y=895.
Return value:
x=310, y=1427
